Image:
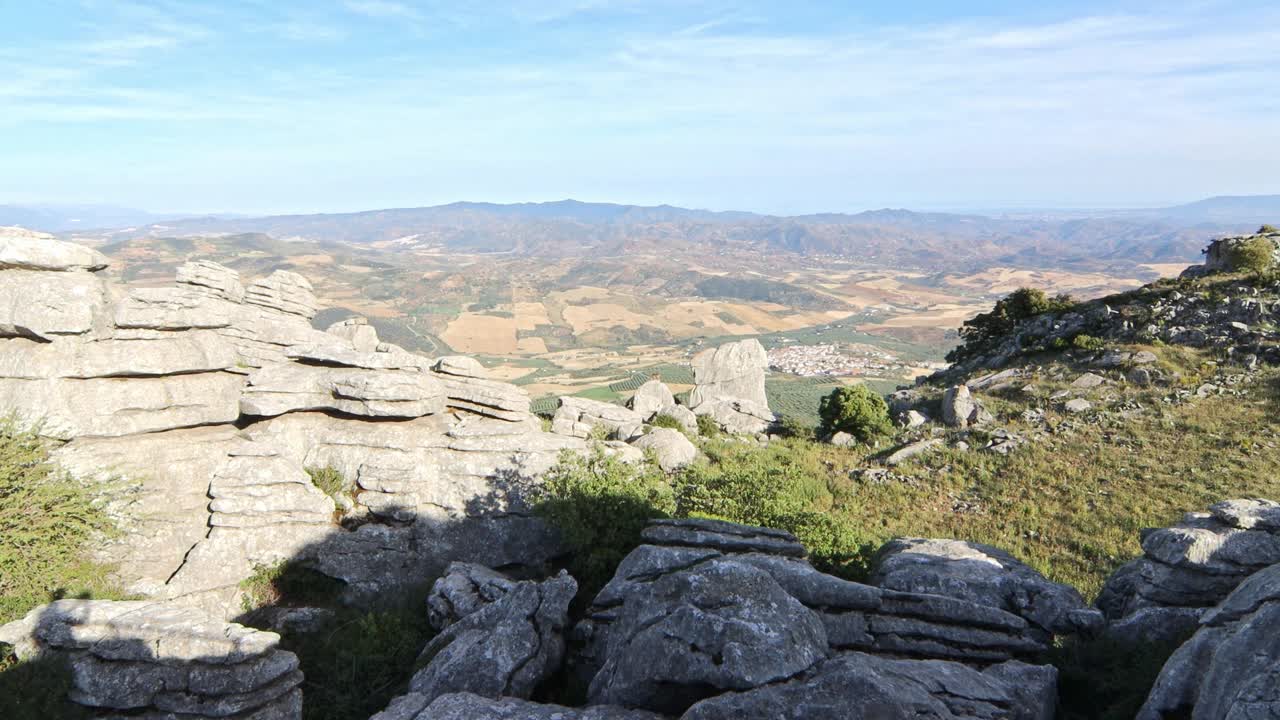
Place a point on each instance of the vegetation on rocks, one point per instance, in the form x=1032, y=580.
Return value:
x=978, y=333
x=1255, y=256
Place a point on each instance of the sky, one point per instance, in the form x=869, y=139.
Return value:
x=269, y=106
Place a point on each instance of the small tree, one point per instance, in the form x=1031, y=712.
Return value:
x=980, y=332
x=1268, y=230
x=1255, y=256
x=856, y=410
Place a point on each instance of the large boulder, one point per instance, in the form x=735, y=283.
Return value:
x=670, y=447
x=283, y=291
x=738, y=417
x=143, y=356
x=469, y=706
x=857, y=685
x=162, y=660
x=577, y=417
x=731, y=372
x=281, y=388
x=464, y=589
x=173, y=308
x=46, y=305
x=960, y=409
x=214, y=279
x=357, y=331
x=650, y=399
x=1230, y=669
x=1197, y=562
x=505, y=649
x=985, y=575
x=27, y=250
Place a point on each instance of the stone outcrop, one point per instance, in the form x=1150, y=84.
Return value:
x=280, y=388
x=28, y=250
x=729, y=387
x=670, y=448
x=698, y=593
x=462, y=590
x=985, y=575
x=577, y=417
x=161, y=660
x=1221, y=254
x=1195, y=564
x=1230, y=668
x=467, y=706
x=357, y=331
x=960, y=409
x=651, y=398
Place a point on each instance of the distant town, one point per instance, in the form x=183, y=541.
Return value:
x=831, y=359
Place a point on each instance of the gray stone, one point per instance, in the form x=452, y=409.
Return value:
x=1077, y=406
x=46, y=305
x=173, y=308
x=681, y=414
x=670, y=447
x=731, y=372
x=464, y=589
x=467, y=706
x=857, y=685
x=576, y=417
x=505, y=649
x=738, y=417
x=283, y=291
x=1139, y=376
x=911, y=450
x=26, y=250
x=984, y=575
x=212, y=279
x=461, y=366
x=77, y=357
x=914, y=419
x=281, y=388
x=357, y=331
x=1088, y=380
x=490, y=398
x=960, y=409
x=650, y=399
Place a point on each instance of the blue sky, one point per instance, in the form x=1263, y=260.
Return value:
x=263, y=106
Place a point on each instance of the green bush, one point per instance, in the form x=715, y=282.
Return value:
x=329, y=481
x=287, y=583
x=1268, y=230
x=856, y=410
x=1255, y=256
x=980, y=333
x=600, y=504
x=708, y=427
x=790, y=426
x=46, y=521
x=1087, y=342
x=666, y=421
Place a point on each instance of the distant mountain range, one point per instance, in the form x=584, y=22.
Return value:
x=568, y=228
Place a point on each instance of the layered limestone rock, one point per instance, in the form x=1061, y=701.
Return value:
x=729, y=387
x=468, y=706
x=985, y=575
x=1230, y=668
x=1195, y=564
x=680, y=620
x=161, y=660
x=289, y=387
x=670, y=448
x=357, y=331
x=651, y=398
x=464, y=589
x=577, y=417
x=22, y=249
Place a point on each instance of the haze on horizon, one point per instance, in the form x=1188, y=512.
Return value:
x=343, y=105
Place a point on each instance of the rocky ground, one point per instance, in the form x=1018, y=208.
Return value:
x=239, y=439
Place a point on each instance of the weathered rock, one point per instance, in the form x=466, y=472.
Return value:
x=27, y=250
x=1076, y=406
x=857, y=685
x=336, y=354
x=1139, y=376
x=910, y=450
x=77, y=357
x=681, y=414
x=462, y=590
x=1221, y=254
x=985, y=575
x=162, y=660
x=362, y=336
x=1088, y=380
x=284, y=291
x=576, y=417
x=690, y=635
x=461, y=366
x=733, y=372
x=738, y=417
x=1198, y=562
x=490, y=398
x=960, y=409
x=670, y=447
x=282, y=388
x=505, y=649
x=173, y=308
x=68, y=408
x=1230, y=669
x=468, y=706
x=45, y=305
x=212, y=279
x=650, y=399
x=914, y=419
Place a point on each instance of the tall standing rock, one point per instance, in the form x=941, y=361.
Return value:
x=729, y=386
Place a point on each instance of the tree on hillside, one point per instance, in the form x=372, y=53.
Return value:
x=1268, y=229
x=856, y=410
x=1256, y=255
x=978, y=333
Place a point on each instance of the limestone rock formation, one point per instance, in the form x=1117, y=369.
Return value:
x=1230, y=669
x=27, y=250
x=960, y=409
x=280, y=388
x=505, y=649
x=462, y=590
x=706, y=583
x=671, y=448
x=468, y=706
x=284, y=291
x=577, y=417
x=729, y=386
x=651, y=398
x=162, y=660
x=362, y=336
x=985, y=575
x=1199, y=561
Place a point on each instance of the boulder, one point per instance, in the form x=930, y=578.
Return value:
x=911, y=450
x=960, y=409
x=357, y=331
x=281, y=388
x=283, y=291
x=738, y=417
x=464, y=589
x=1076, y=406
x=1197, y=562
x=158, y=660
x=1230, y=669
x=212, y=279
x=670, y=447
x=26, y=250
x=78, y=357
x=985, y=575
x=172, y=308
x=1087, y=381
x=491, y=398
x=857, y=685
x=505, y=649
x=461, y=366
x=468, y=706
x=45, y=305
x=651, y=398
x=683, y=415
x=577, y=417
x=731, y=372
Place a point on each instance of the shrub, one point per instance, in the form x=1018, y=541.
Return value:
x=666, y=421
x=600, y=504
x=708, y=427
x=1268, y=230
x=1087, y=342
x=856, y=410
x=980, y=333
x=329, y=481
x=790, y=426
x=46, y=520
x=1255, y=256
x=287, y=583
